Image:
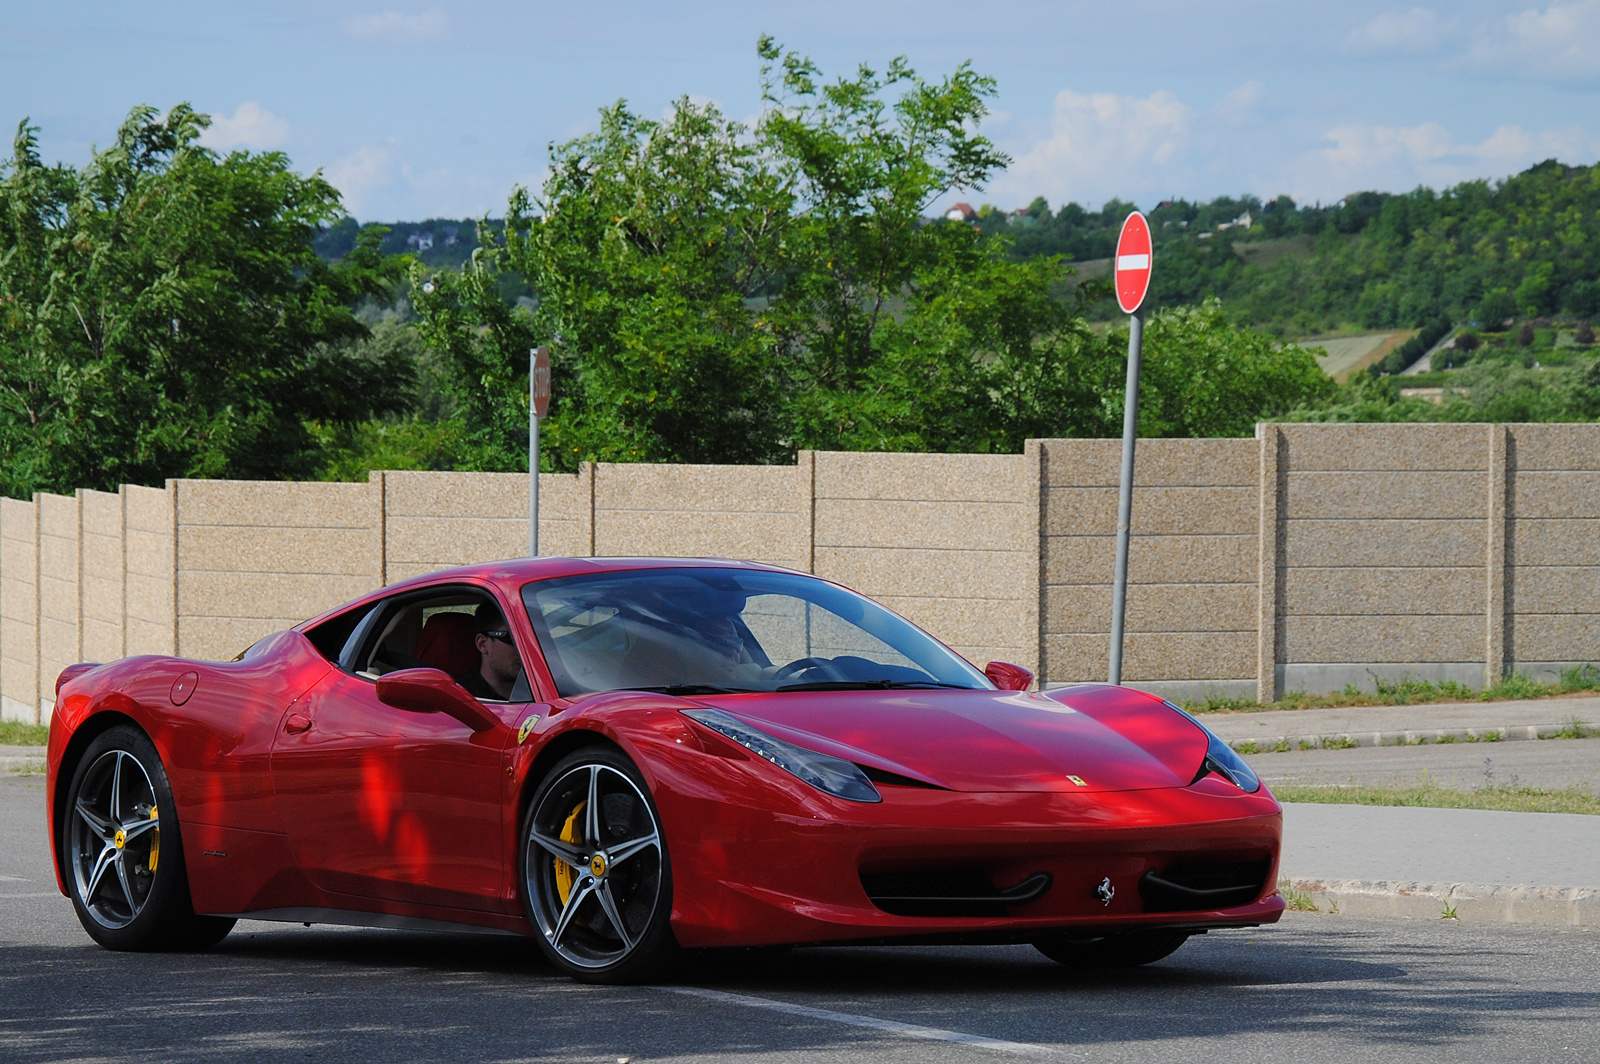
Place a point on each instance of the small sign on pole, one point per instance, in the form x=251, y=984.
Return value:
x=538, y=406
x=1132, y=279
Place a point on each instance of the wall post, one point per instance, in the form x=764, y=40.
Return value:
x=1268, y=570
x=1495, y=570
x=1033, y=504
x=806, y=466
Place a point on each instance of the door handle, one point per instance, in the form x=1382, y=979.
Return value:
x=297, y=723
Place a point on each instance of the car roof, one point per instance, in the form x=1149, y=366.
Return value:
x=512, y=573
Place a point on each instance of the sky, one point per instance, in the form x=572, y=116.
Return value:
x=429, y=109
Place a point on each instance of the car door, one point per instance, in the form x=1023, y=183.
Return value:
x=392, y=804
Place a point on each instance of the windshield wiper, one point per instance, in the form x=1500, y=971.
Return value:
x=691, y=689
x=870, y=685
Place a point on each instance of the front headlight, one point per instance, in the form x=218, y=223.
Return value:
x=837, y=777
x=1222, y=760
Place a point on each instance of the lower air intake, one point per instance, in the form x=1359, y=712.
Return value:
x=949, y=892
x=1203, y=886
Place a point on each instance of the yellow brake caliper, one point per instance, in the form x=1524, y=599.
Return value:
x=155, y=840
x=565, y=873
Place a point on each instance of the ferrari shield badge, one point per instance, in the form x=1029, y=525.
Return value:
x=1077, y=781
x=527, y=728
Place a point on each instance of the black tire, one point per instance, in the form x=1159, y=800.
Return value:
x=627, y=877
x=125, y=874
x=1112, y=951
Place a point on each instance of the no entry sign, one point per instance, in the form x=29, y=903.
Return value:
x=1132, y=264
x=539, y=381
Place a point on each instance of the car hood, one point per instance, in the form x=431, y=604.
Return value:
x=1086, y=738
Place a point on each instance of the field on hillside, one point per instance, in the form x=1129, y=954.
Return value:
x=1352, y=354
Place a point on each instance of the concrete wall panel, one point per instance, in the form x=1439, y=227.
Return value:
x=1386, y=496
x=102, y=591
x=60, y=594
x=1380, y=448
x=1079, y=610
x=152, y=578
x=1161, y=463
x=1342, y=591
x=1390, y=638
x=1157, y=511
x=1393, y=543
x=1188, y=656
x=1079, y=560
x=19, y=610
x=1570, y=637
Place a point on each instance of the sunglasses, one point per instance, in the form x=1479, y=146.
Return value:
x=503, y=635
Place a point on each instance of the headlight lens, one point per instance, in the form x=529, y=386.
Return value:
x=1223, y=760
x=837, y=777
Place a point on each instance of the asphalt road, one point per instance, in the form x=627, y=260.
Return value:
x=1328, y=989
x=1549, y=764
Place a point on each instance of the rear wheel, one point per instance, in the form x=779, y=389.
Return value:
x=596, y=879
x=125, y=873
x=1112, y=951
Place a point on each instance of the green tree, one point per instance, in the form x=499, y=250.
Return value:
x=162, y=314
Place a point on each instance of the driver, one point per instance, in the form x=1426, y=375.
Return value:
x=500, y=666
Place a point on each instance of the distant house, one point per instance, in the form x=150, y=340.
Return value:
x=450, y=236
x=420, y=241
x=961, y=212
x=1165, y=205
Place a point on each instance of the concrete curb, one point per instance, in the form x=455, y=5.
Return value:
x=1464, y=902
x=18, y=764
x=1413, y=737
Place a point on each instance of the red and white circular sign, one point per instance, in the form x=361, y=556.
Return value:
x=540, y=383
x=1132, y=264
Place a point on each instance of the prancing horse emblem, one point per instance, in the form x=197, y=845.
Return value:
x=1105, y=891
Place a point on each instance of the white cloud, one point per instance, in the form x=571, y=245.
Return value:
x=397, y=27
x=251, y=126
x=1415, y=31
x=1099, y=146
x=1240, y=105
x=1396, y=158
x=1559, y=43
x=362, y=174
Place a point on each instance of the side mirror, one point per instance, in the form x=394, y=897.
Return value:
x=1008, y=677
x=433, y=691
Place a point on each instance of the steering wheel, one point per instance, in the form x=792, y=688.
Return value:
x=799, y=665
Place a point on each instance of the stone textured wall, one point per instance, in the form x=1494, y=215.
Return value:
x=256, y=557
x=150, y=567
x=1193, y=594
x=1551, y=607
x=60, y=598
x=104, y=575
x=1385, y=538
x=949, y=541
x=1307, y=558
x=19, y=610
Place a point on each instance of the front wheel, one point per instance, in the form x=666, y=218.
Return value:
x=120, y=846
x=1113, y=951
x=596, y=879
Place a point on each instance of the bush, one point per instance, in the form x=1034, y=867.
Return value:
x=1525, y=334
x=1497, y=307
x=1585, y=334
x=1467, y=341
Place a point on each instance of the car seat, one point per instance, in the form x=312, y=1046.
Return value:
x=446, y=643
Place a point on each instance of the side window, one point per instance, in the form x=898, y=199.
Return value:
x=439, y=629
x=330, y=636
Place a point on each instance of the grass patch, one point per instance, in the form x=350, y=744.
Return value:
x=1506, y=799
x=1299, y=901
x=15, y=733
x=1576, y=680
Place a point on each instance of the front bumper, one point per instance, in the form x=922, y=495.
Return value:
x=746, y=875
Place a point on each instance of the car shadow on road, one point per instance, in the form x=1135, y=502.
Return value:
x=397, y=996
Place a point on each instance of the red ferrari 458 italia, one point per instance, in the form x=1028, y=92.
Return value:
x=621, y=758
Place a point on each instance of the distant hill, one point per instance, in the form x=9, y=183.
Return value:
x=438, y=242
x=1525, y=247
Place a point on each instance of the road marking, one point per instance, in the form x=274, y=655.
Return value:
x=905, y=1030
x=46, y=894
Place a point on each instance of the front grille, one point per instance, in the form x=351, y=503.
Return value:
x=949, y=892
x=1203, y=886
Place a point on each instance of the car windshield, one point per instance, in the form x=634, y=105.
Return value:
x=702, y=631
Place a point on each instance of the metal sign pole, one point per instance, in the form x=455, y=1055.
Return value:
x=1130, y=433
x=533, y=458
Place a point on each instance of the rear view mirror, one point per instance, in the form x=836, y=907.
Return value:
x=433, y=691
x=1008, y=677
